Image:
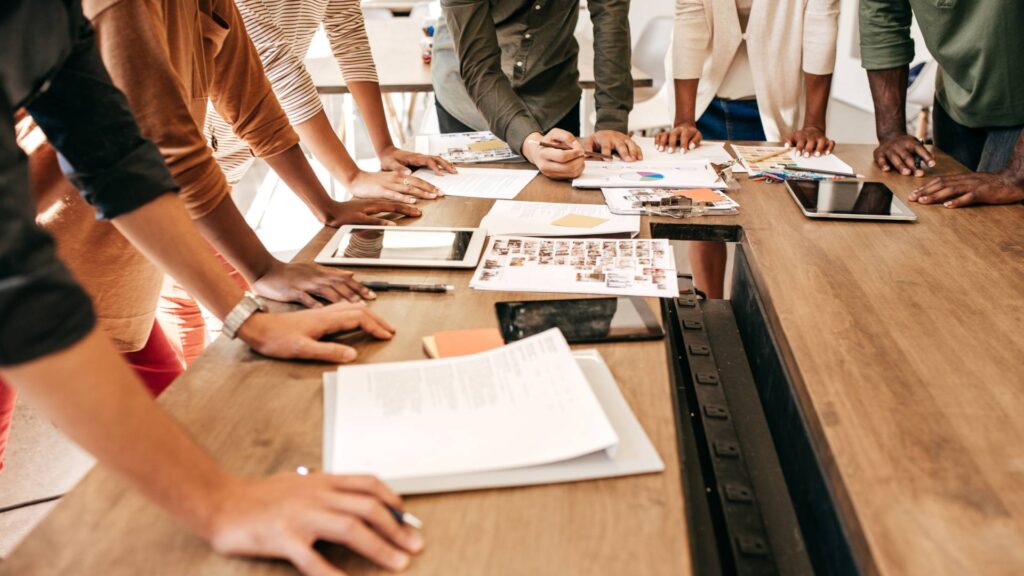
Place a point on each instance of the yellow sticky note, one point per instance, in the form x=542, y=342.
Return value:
x=486, y=145
x=579, y=221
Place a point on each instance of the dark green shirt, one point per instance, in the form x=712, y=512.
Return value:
x=510, y=66
x=979, y=45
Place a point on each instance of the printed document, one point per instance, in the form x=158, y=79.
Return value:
x=616, y=174
x=480, y=182
x=578, y=266
x=524, y=404
x=513, y=218
x=757, y=159
x=634, y=200
x=469, y=147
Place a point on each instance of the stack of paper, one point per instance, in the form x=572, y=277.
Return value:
x=469, y=147
x=480, y=182
x=616, y=174
x=515, y=416
x=631, y=200
x=591, y=266
x=524, y=404
x=509, y=218
x=757, y=159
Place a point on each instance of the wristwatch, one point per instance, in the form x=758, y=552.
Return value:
x=240, y=313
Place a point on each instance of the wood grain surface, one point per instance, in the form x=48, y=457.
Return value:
x=904, y=341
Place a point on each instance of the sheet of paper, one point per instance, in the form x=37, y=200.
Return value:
x=524, y=404
x=708, y=150
x=696, y=174
x=508, y=218
x=760, y=158
x=578, y=266
x=480, y=182
x=631, y=200
x=578, y=221
x=469, y=147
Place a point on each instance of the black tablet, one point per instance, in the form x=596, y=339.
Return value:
x=848, y=200
x=583, y=320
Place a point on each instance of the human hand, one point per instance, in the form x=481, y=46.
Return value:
x=971, y=188
x=296, y=335
x=554, y=163
x=363, y=212
x=901, y=153
x=398, y=186
x=401, y=161
x=810, y=141
x=608, y=141
x=683, y=137
x=300, y=282
x=285, y=515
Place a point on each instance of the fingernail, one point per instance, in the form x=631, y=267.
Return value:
x=416, y=542
x=400, y=561
x=948, y=204
x=787, y=144
x=411, y=200
x=370, y=294
x=349, y=355
x=817, y=153
x=692, y=146
x=390, y=223
x=931, y=163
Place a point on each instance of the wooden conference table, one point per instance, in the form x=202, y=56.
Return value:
x=903, y=340
x=396, y=51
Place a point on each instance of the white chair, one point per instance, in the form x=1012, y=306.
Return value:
x=377, y=14
x=921, y=97
x=652, y=107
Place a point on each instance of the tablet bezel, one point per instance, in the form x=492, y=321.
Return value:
x=469, y=260
x=906, y=215
x=655, y=331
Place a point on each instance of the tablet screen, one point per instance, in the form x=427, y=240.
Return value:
x=404, y=244
x=581, y=320
x=829, y=197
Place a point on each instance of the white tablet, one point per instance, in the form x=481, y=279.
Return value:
x=848, y=200
x=407, y=246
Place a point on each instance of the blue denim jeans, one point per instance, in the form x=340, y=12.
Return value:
x=979, y=149
x=731, y=120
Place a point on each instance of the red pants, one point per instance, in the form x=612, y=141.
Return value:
x=157, y=364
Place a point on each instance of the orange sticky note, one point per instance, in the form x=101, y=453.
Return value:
x=700, y=195
x=579, y=221
x=463, y=342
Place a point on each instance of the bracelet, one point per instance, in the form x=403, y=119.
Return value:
x=240, y=313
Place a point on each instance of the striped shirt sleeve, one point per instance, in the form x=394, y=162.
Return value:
x=346, y=31
x=284, y=66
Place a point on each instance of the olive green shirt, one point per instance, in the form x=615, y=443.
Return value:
x=510, y=66
x=979, y=45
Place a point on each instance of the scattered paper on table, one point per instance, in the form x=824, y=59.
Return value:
x=579, y=221
x=708, y=150
x=515, y=218
x=578, y=266
x=696, y=174
x=631, y=200
x=757, y=159
x=480, y=182
x=469, y=147
x=524, y=404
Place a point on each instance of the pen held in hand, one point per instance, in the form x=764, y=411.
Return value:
x=402, y=517
x=566, y=147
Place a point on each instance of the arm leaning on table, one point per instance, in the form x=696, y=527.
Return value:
x=278, y=36
x=476, y=44
x=613, y=80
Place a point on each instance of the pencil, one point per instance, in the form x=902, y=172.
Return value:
x=589, y=154
x=769, y=156
x=795, y=168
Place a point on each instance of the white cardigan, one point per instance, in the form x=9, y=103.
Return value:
x=784, y=39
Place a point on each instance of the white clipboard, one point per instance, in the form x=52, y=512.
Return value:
x=634, y=454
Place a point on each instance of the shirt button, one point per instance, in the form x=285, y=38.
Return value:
x=519, y=64
x=537, y=7
x=527, y=36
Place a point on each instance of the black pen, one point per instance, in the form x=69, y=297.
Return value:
x=407, y=518
x=380, y=286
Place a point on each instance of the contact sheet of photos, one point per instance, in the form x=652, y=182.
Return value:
x=580, y=266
